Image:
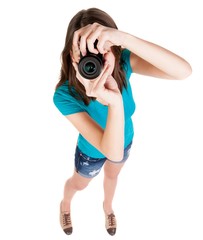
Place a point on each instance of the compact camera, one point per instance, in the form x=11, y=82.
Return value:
x=90, y=65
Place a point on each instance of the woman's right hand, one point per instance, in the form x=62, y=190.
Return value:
x=104, y=87
x=110, y=140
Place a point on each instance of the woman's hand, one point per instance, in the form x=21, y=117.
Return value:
x=103, y=88
x=86, y=36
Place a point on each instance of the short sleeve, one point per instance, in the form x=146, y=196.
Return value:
x=66, y=103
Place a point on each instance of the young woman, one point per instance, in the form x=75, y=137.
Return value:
x=101, y=108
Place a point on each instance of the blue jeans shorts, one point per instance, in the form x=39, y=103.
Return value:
x=90, y=167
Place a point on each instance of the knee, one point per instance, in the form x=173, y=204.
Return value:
x=112, y=170
x=111, y=175
x=79, y=185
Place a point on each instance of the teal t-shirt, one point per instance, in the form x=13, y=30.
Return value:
x=67, y=104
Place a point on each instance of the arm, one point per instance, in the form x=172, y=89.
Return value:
x=113, y=137
x=109, y=141
x=150, y=59
x=146, y=58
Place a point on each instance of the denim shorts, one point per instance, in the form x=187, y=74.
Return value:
x=90, y=167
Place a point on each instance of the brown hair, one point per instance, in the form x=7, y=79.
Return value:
x=81, y=19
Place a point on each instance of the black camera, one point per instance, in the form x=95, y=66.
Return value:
x=90, y=65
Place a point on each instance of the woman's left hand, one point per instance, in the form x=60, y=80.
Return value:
x=86, y=36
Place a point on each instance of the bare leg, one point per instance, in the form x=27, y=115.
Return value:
x=72, y=185
x=111, y=172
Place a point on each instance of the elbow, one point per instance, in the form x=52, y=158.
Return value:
x=185, y=73
x=116, y=157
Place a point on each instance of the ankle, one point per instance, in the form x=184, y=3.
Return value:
x=65, y=206
x=107, y=208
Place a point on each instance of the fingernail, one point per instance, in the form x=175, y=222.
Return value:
x=84, y=53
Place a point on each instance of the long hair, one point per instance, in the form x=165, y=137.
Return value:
x=67, y=72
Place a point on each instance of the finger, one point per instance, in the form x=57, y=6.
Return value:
x=76, y=43
x=83, y=40
x=75, y=66
x=103, y=77
x=83, y=46
x=91, y=44
x=93, y=36
x=104, y=46
x=75, y=54
x=76, y=38
x=86, y=83
x=92, y=85
x=101, y=45
x=111, y=83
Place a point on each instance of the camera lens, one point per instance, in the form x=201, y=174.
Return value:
x=90, y=66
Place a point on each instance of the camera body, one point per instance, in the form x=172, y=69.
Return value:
x=90, y=65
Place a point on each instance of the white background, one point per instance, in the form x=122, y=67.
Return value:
x=159, y=195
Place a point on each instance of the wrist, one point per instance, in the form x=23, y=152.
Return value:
x=116, y=102
x=127, y=40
